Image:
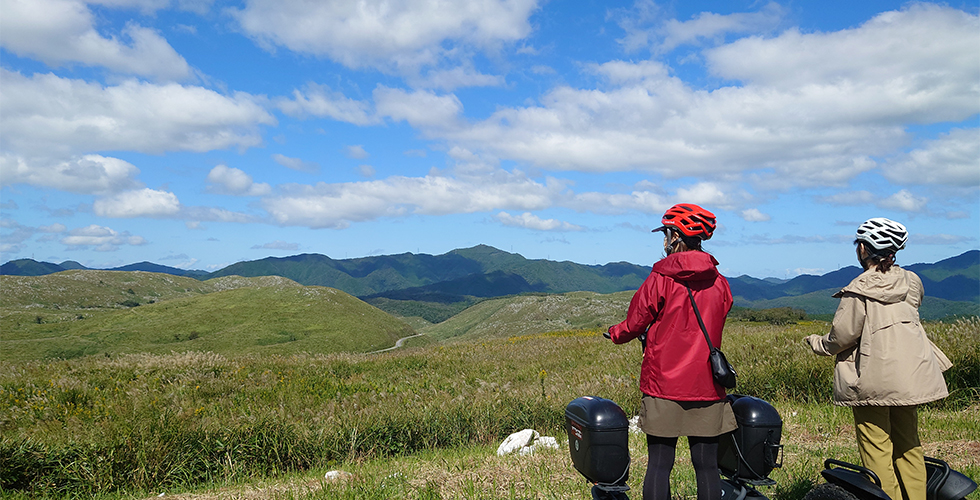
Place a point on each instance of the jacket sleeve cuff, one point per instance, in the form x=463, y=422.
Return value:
x=619, y=334
x=816, y=343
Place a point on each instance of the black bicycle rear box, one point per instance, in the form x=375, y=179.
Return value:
x=598, y=439
x=751, y=451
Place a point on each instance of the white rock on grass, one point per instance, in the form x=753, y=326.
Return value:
x=526, y=442
x=635, y=425
x=337, y=475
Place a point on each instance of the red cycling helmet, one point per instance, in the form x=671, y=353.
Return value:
x=691, y=220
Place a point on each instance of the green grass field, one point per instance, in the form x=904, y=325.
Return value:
x=84, y=313
x=420, y=422
x=255, y=387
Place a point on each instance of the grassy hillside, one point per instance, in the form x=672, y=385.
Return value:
x=142, y=425
x=529, y=314
x=82, y=289
x=77, y=313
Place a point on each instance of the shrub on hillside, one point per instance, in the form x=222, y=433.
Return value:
x=774, y=316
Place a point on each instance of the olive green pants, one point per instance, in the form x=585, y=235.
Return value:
x=888, y=441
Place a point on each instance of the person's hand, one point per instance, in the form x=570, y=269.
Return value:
x=607, y=334
x=812, y=341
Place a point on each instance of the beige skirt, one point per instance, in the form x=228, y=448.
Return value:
x=666, y=418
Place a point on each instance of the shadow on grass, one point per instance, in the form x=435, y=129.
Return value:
x=795, y=490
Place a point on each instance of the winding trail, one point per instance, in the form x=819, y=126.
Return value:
x=400, y=342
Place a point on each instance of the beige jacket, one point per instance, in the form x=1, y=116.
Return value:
x=883, y=355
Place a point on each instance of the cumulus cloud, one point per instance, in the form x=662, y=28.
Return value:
x=400, y=35
x=952, y=159
x=663, y=36
x=296, y=164
x=45, y=114
x=423, y=109
x=473, y=186
x=365, y=170
x=528, y=220
x=904, y=201
x=356, y=151
x=138, y=203
x=755, y=215
x=457, y=77
x=230, y=180
x=101, y=238
x=884, y=60
x=817, y=123
x=88, y=174
x=321, y=102
x=59, y=32
x=337, y=205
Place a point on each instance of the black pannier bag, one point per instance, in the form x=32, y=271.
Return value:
x=752, y=451
x=598, y=440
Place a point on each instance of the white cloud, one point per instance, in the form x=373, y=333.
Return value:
x=456, y=78
x=337, y=205
x=322, y=102
x=45, y=114
x=137, y=203
x=904, y=201
x=296, y=164
x=365, y=170
x=277, y=245
x=781, y=129
x=706, y=26
x=952, y=159
x=59, y=32
x=356, y=152
x=925, y=52
x=395, y=35
x=422, y=109
x=88, y=174
x=197, y=214
x=528, y=220
x=230, y=180
x=102, y=238
x=940, y=239
x=703, y=193
x=755, y=215
x=55, y=228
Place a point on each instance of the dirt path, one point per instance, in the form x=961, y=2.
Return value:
x=398, y=344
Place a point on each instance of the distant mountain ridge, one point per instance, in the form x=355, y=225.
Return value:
x=31, y=267
x=484, y=271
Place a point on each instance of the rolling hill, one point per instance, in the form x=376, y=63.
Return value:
x=77, y=313
x=530, y=314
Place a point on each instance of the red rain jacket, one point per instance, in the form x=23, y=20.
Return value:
x=675, y=362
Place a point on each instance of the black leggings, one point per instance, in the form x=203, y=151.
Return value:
x=704, y=456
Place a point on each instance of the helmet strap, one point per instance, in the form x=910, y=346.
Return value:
x=673, y=240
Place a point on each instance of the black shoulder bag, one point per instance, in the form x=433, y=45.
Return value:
x=721, y=369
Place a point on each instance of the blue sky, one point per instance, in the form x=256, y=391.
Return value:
x=200, y=133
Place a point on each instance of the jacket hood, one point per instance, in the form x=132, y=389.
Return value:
x=888, y=288
x=687, y=266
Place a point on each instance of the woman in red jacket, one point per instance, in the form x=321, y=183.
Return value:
x=680, y=396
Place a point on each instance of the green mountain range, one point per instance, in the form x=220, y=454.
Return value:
x=437, y=287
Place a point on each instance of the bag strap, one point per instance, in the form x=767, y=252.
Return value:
x=700, y=321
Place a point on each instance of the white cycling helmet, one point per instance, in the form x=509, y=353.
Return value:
x=883, y=234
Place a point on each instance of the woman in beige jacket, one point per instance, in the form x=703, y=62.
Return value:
x=886, y=366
